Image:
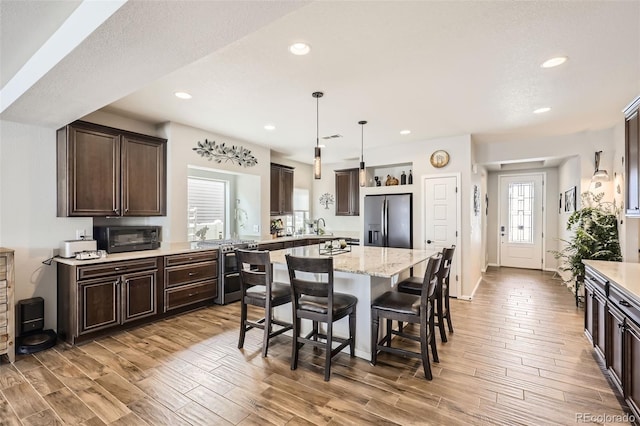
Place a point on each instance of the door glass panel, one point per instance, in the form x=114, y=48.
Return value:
x=521, y=212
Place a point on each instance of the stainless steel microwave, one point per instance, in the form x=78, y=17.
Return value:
x=120, y=239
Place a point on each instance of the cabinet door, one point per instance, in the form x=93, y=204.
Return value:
x=143, y=176
x=632, y=163
x=632, y=366
x=615, y=332
x=343, y=193
x=138, y=296
x=286, y=193
x=599, y=326
x=88, y=172
x=276, y=207
x=98, y=304
x=347, y=193
x=589, y=311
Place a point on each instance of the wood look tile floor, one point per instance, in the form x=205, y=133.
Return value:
x=518, y=356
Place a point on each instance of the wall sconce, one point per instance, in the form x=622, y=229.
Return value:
x=599, y=175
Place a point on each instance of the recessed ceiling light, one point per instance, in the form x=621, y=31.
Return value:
x=183, y=95
x=299, y=48
x=269, y=127
x=554, y=62
x=542, y=110
x=405, y=132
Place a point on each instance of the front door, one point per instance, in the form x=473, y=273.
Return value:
x=441, y=221
x=520, y=227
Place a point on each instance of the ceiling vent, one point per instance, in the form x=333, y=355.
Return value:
x=336, y=136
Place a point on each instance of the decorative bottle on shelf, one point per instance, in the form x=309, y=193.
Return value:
x=410, y=178
x=403, y=178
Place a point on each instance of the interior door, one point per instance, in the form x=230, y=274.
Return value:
x=520, y=232
x=441, y=221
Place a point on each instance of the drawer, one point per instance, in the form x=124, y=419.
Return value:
x=116, y=268
x=625, y=304
x=190, y=273
x=198, y=256
x=597, y=281
x=190, y=293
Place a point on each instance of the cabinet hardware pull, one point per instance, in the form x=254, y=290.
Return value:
x=191, y=274
x=624, y=303
x=192, y=294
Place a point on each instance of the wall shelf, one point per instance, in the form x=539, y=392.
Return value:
x=383, y=170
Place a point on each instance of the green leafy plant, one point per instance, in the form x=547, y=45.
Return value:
x=595, y=237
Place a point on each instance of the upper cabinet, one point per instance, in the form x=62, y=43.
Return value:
x=632, y=157
x=281, y=189
x=347, y=192
x=104, y=171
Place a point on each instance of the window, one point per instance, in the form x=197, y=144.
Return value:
x=300, y=211
x=207, y=203
x=521, y=212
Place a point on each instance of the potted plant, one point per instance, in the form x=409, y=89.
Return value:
x=595, y=237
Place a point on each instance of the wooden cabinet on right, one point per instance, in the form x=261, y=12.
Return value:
x=612, y=319
x=347, y=192
x=281, y=190
x=104, y=171
x=632, y=157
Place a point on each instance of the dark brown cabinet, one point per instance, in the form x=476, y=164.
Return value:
x=190, y=279
x=100, y=296
x=281, y=189
x=347, y=192
x=632, y=157
x=104, y=171
x=612, y=317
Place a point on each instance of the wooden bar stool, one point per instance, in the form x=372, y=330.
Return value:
x=403, y=307
x=316, y=301
x=413, y=285
x=258, y=289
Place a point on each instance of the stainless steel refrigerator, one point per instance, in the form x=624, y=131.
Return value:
x=388, y=220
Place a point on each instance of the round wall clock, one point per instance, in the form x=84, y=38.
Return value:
x=439, y=158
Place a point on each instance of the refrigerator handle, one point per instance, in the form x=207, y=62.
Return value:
x=385, y=212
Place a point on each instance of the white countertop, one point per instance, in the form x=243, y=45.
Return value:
x=374, y=261
x=624, y=274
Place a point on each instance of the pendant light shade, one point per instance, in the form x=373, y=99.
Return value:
x=362, y=175
x=317, y=163
x=599, y=175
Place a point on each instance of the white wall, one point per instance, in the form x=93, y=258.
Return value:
x=182, y=139
x=28, y=222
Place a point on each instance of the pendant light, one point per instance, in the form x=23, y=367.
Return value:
x=599, y=175
x=362, y=174
x=317, y=163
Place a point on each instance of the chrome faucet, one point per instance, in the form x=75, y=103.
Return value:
x=324, y=224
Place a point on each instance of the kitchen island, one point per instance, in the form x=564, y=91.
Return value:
x=365, y=272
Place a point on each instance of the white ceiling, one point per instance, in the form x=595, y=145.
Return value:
x=437, y=68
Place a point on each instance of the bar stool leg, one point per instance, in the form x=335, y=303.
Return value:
x=243, y=323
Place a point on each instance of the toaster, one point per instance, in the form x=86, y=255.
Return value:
x=69, y=248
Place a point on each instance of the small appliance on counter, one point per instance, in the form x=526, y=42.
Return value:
x=120, y=239
x=73, y=248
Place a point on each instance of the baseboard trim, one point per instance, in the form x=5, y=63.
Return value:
x=493, y=264
x=473, y=293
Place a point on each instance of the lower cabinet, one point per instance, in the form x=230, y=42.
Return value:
x=100, y=296
x=615, y=333
x=190, y=279
x=632, y=364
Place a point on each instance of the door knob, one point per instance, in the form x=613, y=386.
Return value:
x=428, y=241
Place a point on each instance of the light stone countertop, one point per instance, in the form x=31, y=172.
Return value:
x=164, y=250
x=374, y=261
x=624, y=275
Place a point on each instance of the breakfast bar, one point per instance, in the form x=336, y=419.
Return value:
x=364, y=272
